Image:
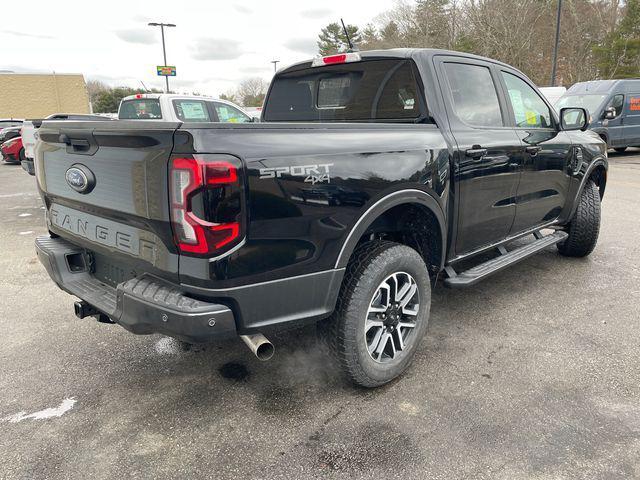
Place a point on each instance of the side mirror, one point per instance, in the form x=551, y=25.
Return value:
x=255, y=119
x=574, y=119
x=610, y=113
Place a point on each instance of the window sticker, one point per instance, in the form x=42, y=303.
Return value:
x=518, y=107
x=634, y=104
x=194, y=111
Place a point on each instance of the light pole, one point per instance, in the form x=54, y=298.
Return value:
x=554, y=65
x=164, y=50
x=275, y=65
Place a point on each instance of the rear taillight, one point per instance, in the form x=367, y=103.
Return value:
x=206, y=204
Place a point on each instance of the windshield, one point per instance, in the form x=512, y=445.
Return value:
x=140, y=109
x=350, y=92
x=590, y=102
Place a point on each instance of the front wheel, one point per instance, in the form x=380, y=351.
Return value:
x=585, y=224
x=381, y=315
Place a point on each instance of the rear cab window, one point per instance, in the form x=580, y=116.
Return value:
x=191, y=110
x=140, y=109
x=362, y=91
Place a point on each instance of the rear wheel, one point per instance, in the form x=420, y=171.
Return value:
x=620, y=149
x=585, y=224
x=381, y=315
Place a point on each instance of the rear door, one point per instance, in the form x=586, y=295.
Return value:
x=542, y=191
x=104, y=185
x=486, y=167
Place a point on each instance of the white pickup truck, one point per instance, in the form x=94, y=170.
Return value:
x=30, y=135
x=181, y=108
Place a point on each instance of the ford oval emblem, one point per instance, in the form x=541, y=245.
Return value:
x=80, y=178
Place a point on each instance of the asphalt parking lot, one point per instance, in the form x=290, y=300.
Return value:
x=533, y=374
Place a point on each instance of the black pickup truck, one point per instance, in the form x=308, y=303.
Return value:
x=372, y=175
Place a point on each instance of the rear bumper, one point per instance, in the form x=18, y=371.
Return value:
x=147, y=304
x=142, y=305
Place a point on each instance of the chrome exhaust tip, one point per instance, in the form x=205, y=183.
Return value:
x=262, y=348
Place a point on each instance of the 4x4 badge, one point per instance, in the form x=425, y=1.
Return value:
x=313, y=173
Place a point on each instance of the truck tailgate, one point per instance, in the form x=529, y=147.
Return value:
x=104, y=185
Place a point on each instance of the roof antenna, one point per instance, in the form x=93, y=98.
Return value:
x=352, y=47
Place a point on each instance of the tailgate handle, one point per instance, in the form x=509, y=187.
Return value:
x=77, y=145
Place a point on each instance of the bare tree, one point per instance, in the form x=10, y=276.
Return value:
x=251, y=92
x=94, y=89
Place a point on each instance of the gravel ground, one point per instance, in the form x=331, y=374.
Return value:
x=533, y=374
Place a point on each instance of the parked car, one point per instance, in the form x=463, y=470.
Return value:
x=254, y=112
x=180, y=108
x=29, y=128
x=614, y=106
x=9, y=132
x=12, y=150
x=553, y=94
x=199, y=231
x=9, y=122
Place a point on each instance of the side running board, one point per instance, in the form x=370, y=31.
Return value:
x=504, y=260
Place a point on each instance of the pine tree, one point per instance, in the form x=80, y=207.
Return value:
x=619, y=55
x=333, y=40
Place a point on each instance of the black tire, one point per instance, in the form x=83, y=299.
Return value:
x=585, y=224
x=21, y=155
x=371, y=265
x=620, y=149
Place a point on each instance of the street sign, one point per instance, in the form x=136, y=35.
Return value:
x=166, y=70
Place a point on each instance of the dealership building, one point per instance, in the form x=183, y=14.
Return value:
x=36, y=95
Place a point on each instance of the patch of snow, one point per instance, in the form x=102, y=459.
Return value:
x=66, y=405
x=167, y=346
x=25, y=233
x=25, y=215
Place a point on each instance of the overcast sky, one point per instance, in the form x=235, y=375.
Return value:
x=214, y=46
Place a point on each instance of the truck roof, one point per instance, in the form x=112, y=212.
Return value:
x=422, y=54
x=167, y=95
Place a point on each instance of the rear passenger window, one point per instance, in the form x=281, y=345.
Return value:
x=475, y=100
x=529, y=109
x=191, y=110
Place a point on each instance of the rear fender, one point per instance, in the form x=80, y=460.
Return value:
x=382, y=205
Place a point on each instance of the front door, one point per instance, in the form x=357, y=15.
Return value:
x=544, y=184
x=615, y=126
x=486, y=165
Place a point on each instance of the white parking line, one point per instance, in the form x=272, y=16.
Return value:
x=66, y=405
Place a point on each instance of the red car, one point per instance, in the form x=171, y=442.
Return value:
x=12, y=150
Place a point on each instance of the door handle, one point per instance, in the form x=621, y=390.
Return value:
x=476, y=152
x=533, y=150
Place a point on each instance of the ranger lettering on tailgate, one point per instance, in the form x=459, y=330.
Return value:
x=101, y=230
